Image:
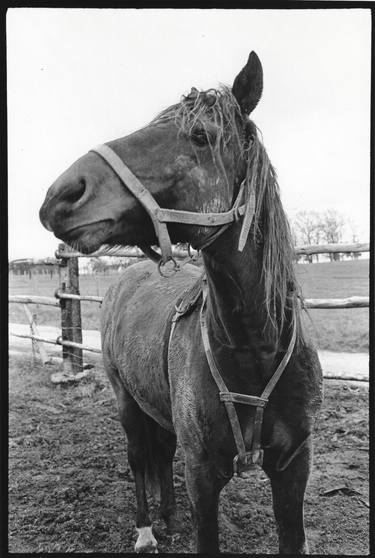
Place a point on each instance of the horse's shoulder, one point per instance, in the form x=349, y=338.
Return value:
x=142, y=279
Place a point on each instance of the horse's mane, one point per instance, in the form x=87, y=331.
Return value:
x=270, y=227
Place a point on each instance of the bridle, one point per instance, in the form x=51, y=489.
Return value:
x=244, y=460
x=161, y=216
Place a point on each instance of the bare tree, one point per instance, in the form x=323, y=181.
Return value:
x=307, y=230
x=98, y=265
x=352, y=226
x=331, y=225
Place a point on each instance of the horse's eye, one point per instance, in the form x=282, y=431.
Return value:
x=199, y=137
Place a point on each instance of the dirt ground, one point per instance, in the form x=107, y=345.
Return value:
x=71, y=490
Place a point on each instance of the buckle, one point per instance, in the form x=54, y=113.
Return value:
x=164, y=265
x=247, y=461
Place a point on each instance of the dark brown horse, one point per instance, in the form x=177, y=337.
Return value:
x=202, y=155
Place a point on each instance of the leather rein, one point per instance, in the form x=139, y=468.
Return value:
x=244, y=460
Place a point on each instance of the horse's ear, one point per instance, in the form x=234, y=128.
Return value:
x=248, y=85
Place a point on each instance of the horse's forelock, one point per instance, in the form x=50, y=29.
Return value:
x=216, y=105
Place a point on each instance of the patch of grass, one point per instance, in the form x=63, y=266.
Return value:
x=334, y=279
x=336, y=330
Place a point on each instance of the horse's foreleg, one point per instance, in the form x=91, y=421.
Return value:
x=133, y=421
x=203, y=491
x=167, y=448
x=288, y=491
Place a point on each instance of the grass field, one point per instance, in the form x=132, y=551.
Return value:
x=335, y=330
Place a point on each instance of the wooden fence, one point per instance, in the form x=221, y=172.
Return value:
x=68, y=299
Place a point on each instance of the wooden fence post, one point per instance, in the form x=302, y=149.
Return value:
x=71, y=324
x=75, y=314
x=37, y=346
x=65, y=325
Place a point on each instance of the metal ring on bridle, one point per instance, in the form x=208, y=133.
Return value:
x=161, y=264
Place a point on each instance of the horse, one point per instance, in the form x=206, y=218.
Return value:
x=218, y=360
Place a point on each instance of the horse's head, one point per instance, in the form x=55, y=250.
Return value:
x=192, y=158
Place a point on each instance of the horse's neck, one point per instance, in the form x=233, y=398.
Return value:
x=235, y=311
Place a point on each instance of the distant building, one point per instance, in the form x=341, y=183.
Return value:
x=31, y=266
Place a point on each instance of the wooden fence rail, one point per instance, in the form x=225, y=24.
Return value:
x=88, y=298
x=316, y=303
x=26, y=299
x=178, y=252
x=332, y=249
x=48, y=360
x=337, y=303
x=68, y=298
x=58, y=341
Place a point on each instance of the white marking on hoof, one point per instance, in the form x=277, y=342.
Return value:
x=146, y=541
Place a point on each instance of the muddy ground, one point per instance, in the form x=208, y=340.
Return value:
x=71, y=490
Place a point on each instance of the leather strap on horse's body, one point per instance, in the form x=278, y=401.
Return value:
x=233, y=418
x=244, y=460
x=186, y=303
x=141, y=194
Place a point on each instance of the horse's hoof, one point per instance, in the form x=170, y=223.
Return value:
x=146, y=542
x=147, y=550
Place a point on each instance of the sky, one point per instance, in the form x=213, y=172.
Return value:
x=80, y=77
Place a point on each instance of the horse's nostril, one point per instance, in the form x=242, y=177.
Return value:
x=75, y=193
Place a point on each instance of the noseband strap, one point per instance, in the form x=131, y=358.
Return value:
x=161, y=216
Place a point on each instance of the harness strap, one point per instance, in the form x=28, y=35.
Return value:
x=142, y=195
x=242, y=398
x=256, y=444
x=229, y=405
x=284, y=361
x=258, y=419
x=186, y=303
x=194, y=218
x=243, y=460
x=237, y=209
x=247, y=220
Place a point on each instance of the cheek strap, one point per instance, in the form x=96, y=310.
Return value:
x=144, y=197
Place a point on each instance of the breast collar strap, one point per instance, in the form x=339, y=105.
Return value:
x=161, y=216
x=244, y=460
